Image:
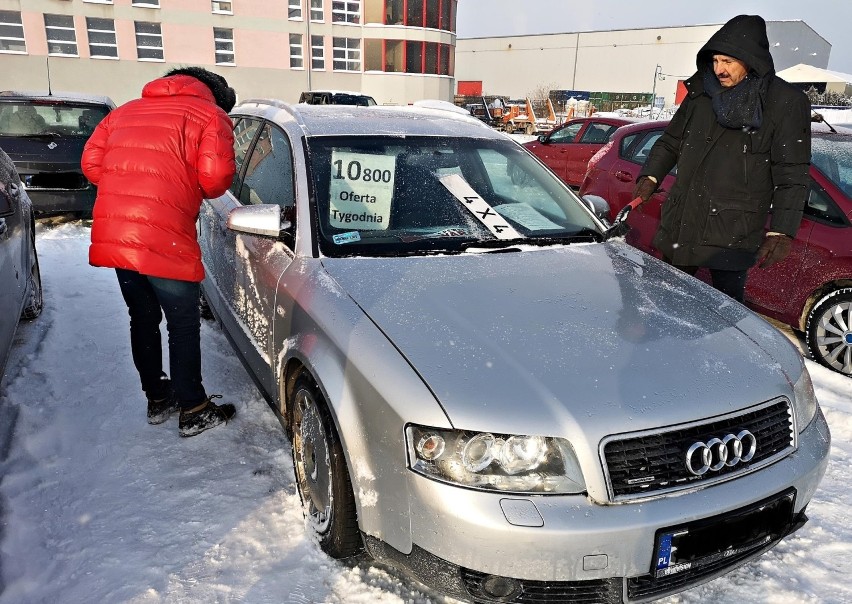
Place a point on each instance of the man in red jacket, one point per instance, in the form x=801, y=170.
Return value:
x=154, y=160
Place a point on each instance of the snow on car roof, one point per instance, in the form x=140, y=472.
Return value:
x=345, y=120
x=73, y=97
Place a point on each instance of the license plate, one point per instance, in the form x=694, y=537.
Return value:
x=704, y=542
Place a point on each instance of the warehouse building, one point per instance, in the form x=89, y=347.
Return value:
x=614, y=62
x=397, y=51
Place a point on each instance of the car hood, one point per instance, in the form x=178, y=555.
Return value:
x=37, y=149
x=576, y=340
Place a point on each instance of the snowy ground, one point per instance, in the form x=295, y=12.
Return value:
x=101, y=507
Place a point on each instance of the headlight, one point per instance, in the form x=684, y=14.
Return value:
x=510, y=463
x=805, y=402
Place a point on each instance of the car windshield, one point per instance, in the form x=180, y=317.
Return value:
x=411, y=195
x=832, y=154
x=49, y=118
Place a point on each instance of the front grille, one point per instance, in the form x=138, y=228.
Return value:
x=649, y=463
x=597, y=591
x=71, y=181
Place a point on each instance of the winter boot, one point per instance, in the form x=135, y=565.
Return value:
x=161, y=406
x=205, y=416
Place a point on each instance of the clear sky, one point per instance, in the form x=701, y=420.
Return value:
x=832, y=19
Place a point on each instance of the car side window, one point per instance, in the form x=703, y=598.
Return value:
x=626, y=143
x=597, y=133
x=268, y=177
x=639, y=153
x=566, y=134
x=244, y=133
x=822, y=208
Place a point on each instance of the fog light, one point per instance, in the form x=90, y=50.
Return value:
x=501, y=587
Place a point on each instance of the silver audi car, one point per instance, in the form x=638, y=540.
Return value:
x=481, y=384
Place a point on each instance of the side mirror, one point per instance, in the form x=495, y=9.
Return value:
x=598, y=206
x=264, y=220
x=542, y=138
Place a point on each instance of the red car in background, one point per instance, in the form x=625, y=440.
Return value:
x=811, y=290
x=568, y=148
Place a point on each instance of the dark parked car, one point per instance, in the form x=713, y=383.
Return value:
x=44, y=135
x=20, y=280
x=336, y=97
x=567, y=149
x=811, y=290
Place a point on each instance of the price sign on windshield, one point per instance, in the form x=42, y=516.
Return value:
x=361, y=190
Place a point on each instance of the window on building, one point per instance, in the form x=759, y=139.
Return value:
x=433, y=14
x=317, y=11
x=414, y=16
x=317, y=52
x=346, y=11
x=102, y=42
x=149, y=41
x=223, y=42
x=146, y=3
x=395, y=56
x=414, y=56
x=294, y=9
x=408, y=56
x=61, y=36
x=222, y=6
x=436, y=14
x=395, y=12
x=446, y=22
x=346, y=54
x=11, y=32
x=297, y=55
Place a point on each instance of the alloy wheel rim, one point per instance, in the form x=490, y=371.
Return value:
x=834, y=337
x=313, y=467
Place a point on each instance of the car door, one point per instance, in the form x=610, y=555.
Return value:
x=555, y=150
x=12, y=274
x=213, y=234
x=809, y=265
x=632, y=153
x=594, y=136
x=257, y=262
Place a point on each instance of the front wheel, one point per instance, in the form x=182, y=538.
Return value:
x=35, y=294
x=321, y=474
x=829, y=331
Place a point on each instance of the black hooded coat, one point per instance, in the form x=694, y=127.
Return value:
x=730, y=179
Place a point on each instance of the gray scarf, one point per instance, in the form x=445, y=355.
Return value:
x=739, y=107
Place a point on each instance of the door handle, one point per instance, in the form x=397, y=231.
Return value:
x=624, y=176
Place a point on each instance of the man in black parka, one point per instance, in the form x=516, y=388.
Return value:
x=741, y=140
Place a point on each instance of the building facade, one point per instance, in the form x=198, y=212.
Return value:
x=620, y=61
x=397, y=51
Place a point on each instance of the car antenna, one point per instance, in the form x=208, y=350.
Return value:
x=49, y=91
x=819, y=119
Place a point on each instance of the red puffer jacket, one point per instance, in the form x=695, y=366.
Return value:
x=154, y=160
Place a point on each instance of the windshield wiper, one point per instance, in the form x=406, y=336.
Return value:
x=585, y=235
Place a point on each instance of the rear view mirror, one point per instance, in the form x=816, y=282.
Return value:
x=264, y=220
x=599, y=207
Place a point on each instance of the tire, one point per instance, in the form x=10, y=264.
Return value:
x=321, y=474
x=35, y=294
x=829, y=331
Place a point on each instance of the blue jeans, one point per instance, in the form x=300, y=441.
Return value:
x=148, y=299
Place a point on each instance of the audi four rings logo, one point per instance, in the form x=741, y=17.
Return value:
x=717, y=453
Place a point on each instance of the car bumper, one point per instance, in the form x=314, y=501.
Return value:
x=571, y=539
x=48, y=202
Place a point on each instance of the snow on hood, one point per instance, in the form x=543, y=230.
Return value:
x=569, y=340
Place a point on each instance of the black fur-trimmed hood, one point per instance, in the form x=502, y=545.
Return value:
x=225, y=96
